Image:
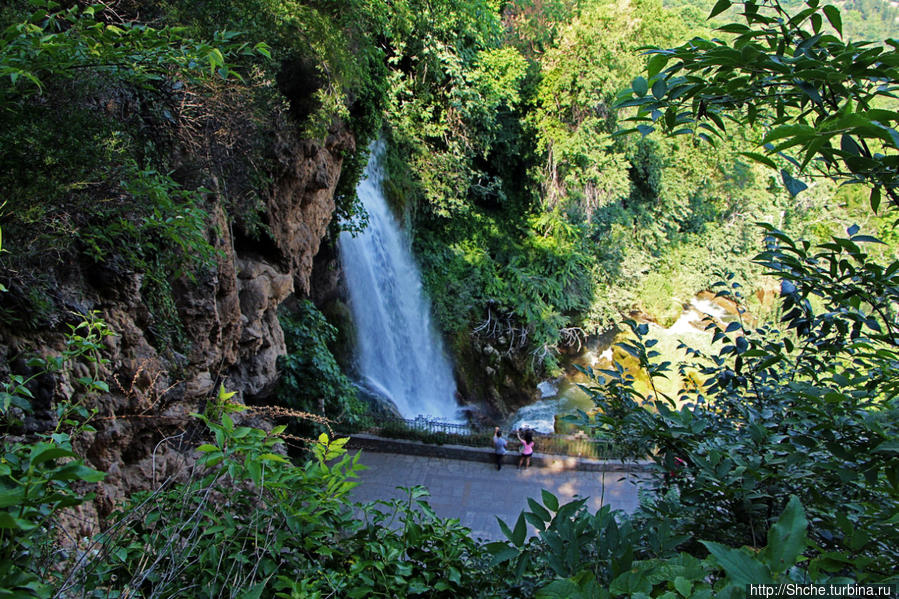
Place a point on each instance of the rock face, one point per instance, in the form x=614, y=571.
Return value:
x=229, y=317
x=261, y=289
x=493, y=374
x=302, y=203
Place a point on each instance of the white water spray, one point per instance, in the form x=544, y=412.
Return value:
x=399, y=354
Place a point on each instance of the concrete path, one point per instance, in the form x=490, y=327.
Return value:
x=476, y=493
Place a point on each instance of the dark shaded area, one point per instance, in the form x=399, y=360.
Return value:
x=299, y=79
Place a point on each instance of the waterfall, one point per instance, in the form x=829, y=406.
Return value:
x=399, y=354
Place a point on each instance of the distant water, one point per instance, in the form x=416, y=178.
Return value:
x=400, y=356
x=540, y=416
x=563, y=396
x=691, y=319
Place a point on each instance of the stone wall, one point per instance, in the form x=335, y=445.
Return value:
x=485, y=454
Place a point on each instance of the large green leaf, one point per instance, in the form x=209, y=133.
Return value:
x=43, y=452
x=11, y=496
x=630, y=583
x=560, y=589
x=794, y=186
x=520, y=532
x=741, y=567
x=7, y=520
x=719, y=8
x=539, y=510
x=501, y=552
x=787, y=537
x=550, y=500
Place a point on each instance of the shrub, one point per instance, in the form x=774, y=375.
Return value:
x=788, y=447
x=250, y=522
x=310, y=378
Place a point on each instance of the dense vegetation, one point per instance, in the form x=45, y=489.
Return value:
x=560, y=225
x=526, y=208
x=311, y=380
x=145, y=220
x=779, y=460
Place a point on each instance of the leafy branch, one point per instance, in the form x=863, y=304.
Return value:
x=63, y=43
x=823, y=102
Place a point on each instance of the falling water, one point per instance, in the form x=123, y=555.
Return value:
x=399, y=354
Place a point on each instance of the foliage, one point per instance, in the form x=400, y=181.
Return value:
x=620, y=224
x=311, y=379
x=325, y=55
x=405, y=549
x=573, y=105
x=816, y=401
x=533, y=25
x=524, y=291
x=829, y=102
x=778, y=409
x=869, y=19
x=288, y=531
x=448, y=80
x=453, y=92
x=87, y=108
x=40, y=477
x=607, y=554
x=661, y=213
x=168, y=225
x=289, y=515
x=787, y=437
x=73, y=42
x=734, y=456
x=36, y=483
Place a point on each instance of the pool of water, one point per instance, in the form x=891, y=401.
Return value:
x=564, y=395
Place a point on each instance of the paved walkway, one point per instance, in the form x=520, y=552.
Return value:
x=476, y=493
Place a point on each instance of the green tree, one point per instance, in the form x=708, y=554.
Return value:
x=803, y=411
x=574, y=113
x=449, y=78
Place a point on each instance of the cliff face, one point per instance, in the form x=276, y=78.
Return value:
x=229, y=317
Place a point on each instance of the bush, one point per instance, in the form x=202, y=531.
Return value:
x=248, y=522
x=311, y=380
x=788, y=447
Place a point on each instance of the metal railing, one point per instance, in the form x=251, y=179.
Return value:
x=426, y=430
